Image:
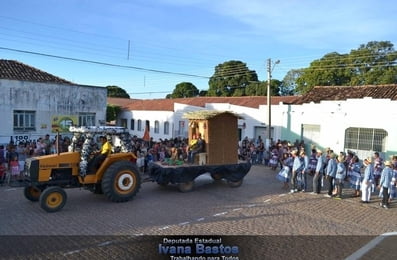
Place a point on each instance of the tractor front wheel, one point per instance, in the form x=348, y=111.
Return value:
x=53, y=199
x=121, y=181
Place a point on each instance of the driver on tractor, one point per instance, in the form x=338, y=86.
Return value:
x=101, y=155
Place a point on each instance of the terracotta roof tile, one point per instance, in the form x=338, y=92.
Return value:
x=121, y=102
x=168, y=104
x=319, y=93
x=14, y=70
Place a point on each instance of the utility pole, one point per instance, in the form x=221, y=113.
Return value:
x=269, y=100
x=269, y=116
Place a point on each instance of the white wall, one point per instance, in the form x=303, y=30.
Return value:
x=48, y=100
x=333, y=117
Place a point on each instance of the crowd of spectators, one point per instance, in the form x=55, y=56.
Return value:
x=330, y=171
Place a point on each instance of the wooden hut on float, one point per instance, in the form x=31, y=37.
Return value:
x=219, y=130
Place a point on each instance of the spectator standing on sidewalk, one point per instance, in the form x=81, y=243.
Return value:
x=313, y=162
x=331, y=173
x=384, y=184
x=305, y=165
x=354, y=173
x=340, y=176
x=378, y=167
x=368, y=179
x=318, y=175
x=393, y=184
x=296, y=169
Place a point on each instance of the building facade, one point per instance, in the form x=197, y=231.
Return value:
x=34, y=103
x=360, y=118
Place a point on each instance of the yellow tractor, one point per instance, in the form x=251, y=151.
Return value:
x=117, y=177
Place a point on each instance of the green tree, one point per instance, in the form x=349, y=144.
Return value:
x=288, y=84
x=117, y=92
x=260, y=88
x=112, y=112
x=373, y=63
x=231, y=79
x=330, y=70
x=183, y=90
x=203, y=93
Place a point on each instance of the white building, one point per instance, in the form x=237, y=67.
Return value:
x=360, y=118
x=165, y=116
x=34, y=103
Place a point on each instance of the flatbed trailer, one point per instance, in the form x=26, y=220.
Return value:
x=183, y=176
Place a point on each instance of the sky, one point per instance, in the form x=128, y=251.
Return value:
x=147, y=47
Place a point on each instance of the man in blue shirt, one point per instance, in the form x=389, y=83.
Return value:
x=318, y=173
x=331, y=173
x=385, y=179
x=296, y=169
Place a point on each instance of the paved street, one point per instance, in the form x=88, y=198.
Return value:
x=283, y=224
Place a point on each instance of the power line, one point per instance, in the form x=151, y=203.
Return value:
x=105, y=64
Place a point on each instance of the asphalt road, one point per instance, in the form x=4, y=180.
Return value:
x=260, y=218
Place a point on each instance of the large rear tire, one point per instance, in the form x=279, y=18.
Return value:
x=121, y=181
x=32, y=193
x=53, y=199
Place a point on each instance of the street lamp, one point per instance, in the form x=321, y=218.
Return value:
x=269, y=79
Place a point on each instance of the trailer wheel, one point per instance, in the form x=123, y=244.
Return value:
x=53, y=199
x=216, y=176
x=32, y=193
x=235, y=184
x=121, y=181
x=186, y=186
x=163, y=184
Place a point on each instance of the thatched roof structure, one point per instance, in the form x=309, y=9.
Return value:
x=207, y=114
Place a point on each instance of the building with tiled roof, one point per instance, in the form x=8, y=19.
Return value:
x=168, y=104
x=34, y=103
x=15, y=70
x=323, y=93
x=341, y=117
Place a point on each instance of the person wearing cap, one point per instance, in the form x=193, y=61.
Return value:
x=384, y=184
x=368, y=179
x=331, y=173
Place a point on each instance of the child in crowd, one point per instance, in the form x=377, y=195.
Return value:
x=14, y=168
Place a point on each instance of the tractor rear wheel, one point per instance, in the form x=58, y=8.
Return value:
x=53, y=199
x=121, y=181
x=32, y=193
